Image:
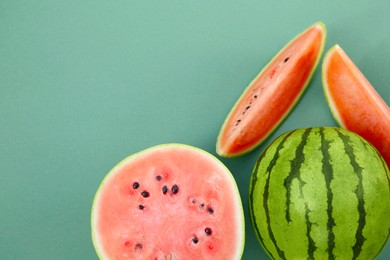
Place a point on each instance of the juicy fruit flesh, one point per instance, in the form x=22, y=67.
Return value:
x=272, y=94
x=314, y=195
x=354, y=102
x=160, y=206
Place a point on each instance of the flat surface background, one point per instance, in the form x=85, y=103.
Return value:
x=83, y=84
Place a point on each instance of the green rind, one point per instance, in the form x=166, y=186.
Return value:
x=226, y=155
x=269, y=160
x=279, y=141
x=150, y=149
x=328, y=171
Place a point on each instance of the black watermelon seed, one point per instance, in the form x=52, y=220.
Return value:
x=141, y=206
x=158, y=177
x=175, y=189
x=135, y=185
x=208, y=231
x=255, y=96
x=138, y=246
x=165, y=189
x=195, y=240
x=286, y=59
x=201, y=206
x=145, y=194
x=210, y=210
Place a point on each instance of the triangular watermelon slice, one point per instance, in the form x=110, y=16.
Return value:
x=272, y=94
x=354, y=102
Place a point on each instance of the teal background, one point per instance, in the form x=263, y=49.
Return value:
x=83, y=84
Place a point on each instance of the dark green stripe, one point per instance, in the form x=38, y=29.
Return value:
x=359, y=191
x=311, y=244
x=328, y=174
x=369, y=146
x=266, y=194
x=386, y=169
x=295, y=173
x=254, y=179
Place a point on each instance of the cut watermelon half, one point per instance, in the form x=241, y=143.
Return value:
x=354, y=102
x=168, y=202
x=272, y=94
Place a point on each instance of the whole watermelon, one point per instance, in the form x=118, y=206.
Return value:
x=320, y=193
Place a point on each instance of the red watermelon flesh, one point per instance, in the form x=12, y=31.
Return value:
x=168, y=202
x=272, y=94
x=354, y=102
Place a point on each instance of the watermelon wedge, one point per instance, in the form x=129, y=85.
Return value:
x=269, y=98
x=354, y=102
x=170, y=201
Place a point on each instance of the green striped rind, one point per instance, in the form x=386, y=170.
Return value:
x=320, y=193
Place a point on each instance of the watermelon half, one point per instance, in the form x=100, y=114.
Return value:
x=354, y=102
x=272, y=94
x=170, y=201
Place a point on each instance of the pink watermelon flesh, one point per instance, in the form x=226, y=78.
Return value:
x=354, y=102
x=168, y=202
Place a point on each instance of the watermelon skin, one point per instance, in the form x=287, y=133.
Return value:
x=272, y=94
x=320, y=193
x=354, y=102
x=133, y=217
